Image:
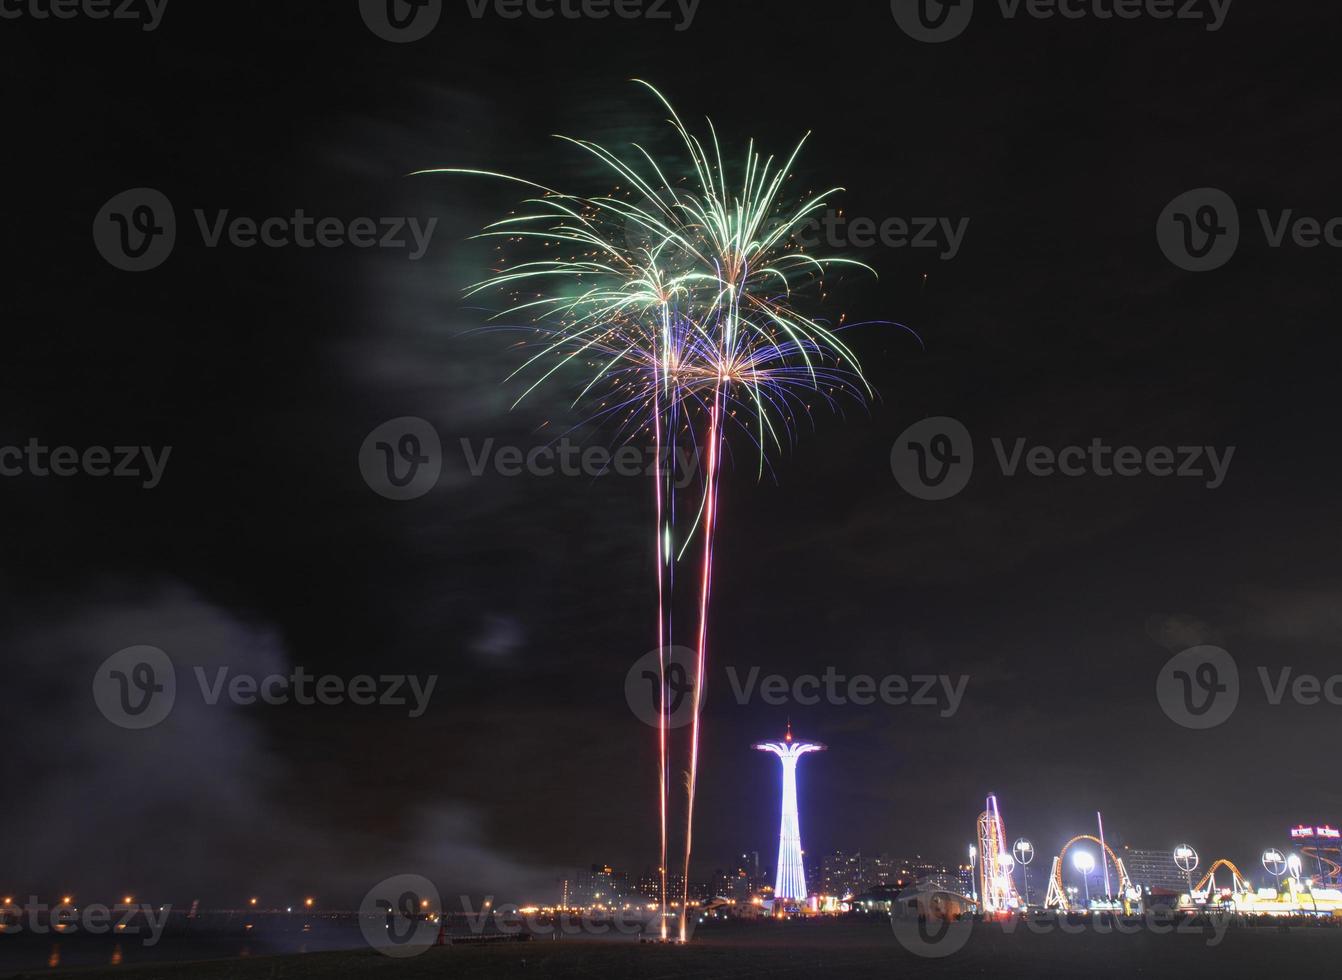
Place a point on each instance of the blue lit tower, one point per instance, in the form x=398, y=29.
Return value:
x=790, y=885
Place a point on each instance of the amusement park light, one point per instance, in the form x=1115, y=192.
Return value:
x=973, y=865
x=1186, y=858
x=1006, y=863
x=1274, y=862
x=1293, y=865
x=1023, y=850
x=1085, y=863
x=790, y=885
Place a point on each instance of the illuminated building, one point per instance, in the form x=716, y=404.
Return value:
x=601, y=886
x=749, y=862
x=790, y=883
x=841, y=874
x=844, y=874
x=1154, y=869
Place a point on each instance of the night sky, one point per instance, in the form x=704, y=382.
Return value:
x=1059, y=321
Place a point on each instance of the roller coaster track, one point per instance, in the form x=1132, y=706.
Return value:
x=1334, y=869
x=1237, y=879
x=1057, y=894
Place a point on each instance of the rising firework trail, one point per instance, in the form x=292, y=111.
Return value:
x=681, y=295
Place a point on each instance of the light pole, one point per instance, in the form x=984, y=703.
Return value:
x=1024, y=852
x=973, y=865
x=1187, y=860
x=1085, y=863
x=1274, y=863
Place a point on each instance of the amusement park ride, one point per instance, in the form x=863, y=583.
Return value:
x=1057, y=897
x=1295, y=891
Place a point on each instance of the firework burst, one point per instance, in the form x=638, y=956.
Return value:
x=678, y=302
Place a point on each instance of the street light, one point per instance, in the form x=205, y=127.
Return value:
x=1085, y=863
x=1187, y=860
x=1024, y=852
x=1274, y=863
x=973, y=864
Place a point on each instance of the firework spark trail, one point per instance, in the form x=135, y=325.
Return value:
x=662, y=640
x=696, y=320
x=705, y=589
